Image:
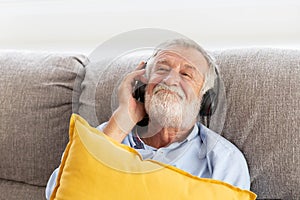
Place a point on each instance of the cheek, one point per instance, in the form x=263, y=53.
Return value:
x=198, y=87
x=152, y=83
x=191, y=91
x=198, y=90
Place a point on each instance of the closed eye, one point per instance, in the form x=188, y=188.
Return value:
x=186, y=74
x=163, y=68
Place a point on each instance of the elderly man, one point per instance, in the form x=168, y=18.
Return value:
x=177, y=76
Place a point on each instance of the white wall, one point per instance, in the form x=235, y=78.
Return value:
x=81, y=25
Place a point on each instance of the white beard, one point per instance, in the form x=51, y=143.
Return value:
x=170, y=109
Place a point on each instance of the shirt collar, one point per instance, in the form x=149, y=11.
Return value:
x=137, y=143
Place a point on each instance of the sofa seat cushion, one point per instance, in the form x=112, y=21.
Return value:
x=13, y=190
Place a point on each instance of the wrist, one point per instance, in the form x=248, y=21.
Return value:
x=119, y=125
x=123, y=120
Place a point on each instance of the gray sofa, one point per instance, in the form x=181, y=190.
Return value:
x=39, y=92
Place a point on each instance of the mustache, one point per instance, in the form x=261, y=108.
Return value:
x=173, y=89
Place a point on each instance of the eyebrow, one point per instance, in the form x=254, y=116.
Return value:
x=196, y=70
x=190, y=67
x=164, y=62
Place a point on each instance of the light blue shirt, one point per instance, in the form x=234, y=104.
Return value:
x=203, y=153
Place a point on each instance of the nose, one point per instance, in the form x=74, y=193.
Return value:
x=172, y=78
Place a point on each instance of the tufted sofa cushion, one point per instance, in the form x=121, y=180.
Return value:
x=36, y=95
x=263, y=115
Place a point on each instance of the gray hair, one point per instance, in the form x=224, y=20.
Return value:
x=210, y=76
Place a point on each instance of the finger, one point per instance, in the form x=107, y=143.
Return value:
x=142, y=79
x=140, y=66
x=134, y=76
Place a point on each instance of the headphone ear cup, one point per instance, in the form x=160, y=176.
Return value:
x=139, y=94
x=209, y=103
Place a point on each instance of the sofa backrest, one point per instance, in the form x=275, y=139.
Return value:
x=36, y=93
x=262, y=117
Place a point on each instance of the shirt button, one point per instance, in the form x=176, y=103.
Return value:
x=160, y=151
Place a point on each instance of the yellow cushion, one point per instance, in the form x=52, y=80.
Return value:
x=96, y=167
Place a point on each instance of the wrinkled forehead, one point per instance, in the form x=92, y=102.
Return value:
x=182, y=54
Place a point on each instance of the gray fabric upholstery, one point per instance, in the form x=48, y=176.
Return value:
x=263, y=115
x=36, y=94
x=12, y=190
x=39, y=91
x=262, y=119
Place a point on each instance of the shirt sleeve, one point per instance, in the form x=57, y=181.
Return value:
x=231, y=167
x=101, y=126
x=51, y=183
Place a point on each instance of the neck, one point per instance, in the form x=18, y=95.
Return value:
x=161, y=137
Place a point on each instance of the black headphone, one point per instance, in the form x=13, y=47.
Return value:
x=211, y=98
x=208, y=105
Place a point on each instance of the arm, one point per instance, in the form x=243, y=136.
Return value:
x=51, y=183
x=232, y=168
x=129, y=112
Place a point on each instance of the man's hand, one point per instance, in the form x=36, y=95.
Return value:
x=130, y=111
